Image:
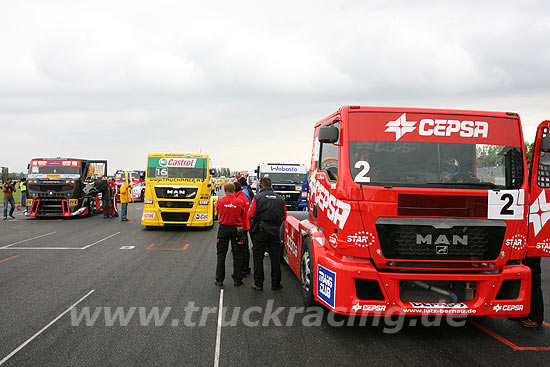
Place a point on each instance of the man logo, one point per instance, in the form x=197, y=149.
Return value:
x=442, y=250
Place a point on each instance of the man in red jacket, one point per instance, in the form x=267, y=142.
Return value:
x=230, y=213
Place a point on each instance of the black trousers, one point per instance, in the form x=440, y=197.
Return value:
x=107, y=208
x=264, y=242
x=537, y=304
x=226, y=234
x=246, y=265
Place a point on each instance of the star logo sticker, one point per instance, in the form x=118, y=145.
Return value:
x=400, y=126
x=497, y=308
x=539, y=212
x=356, y=307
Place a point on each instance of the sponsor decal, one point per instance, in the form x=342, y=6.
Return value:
x=362, y=239
x=544, y=246
x=326, y=285
x=291, y=245
x=174, y=162
x=148, y=215
x=333, y=240
x=380, y=308
x=229, y=205
x=203, y=202
x=298, y=187
x=517, y=242
x=539, y=212
x=148, y=201
x=437, y=305
x=497, y=308
x=429, y=127
x=201, y=216
x=73, y=202
x=337, y=211
x=400, y=126
x=283, y=169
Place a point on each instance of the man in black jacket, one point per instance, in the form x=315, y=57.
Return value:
x=266, y=214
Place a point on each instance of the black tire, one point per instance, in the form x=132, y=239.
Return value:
x=142, y=195
x=306, y=273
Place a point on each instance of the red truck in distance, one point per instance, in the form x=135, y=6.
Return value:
x=421, y=211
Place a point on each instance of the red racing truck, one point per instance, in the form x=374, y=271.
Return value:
x=421, y=211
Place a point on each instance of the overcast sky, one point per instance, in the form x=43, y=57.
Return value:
x=246, y=80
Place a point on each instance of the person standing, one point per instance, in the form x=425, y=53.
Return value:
x=107, y=197
x=241, y=194
x=230, y=213
x=266, y=215
x=114, y=187
x=247, y=191
x=536, y=315
x=8, y=189
x=23, y=189
x=125, y=198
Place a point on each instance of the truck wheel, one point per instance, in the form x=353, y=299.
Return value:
x=306, y=274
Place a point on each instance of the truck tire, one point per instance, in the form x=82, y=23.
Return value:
x=306, y=273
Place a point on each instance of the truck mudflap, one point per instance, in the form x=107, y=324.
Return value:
x=352, y=286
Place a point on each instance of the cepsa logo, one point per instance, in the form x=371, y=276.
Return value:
x=336, y=211
x=429, y=127
x=172, y=162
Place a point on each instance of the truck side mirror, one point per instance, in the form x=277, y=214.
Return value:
x=212, y=171
x=328, y=134
x=545, y=144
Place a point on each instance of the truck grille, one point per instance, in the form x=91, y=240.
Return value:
x=290, y=196
x=47, y=188
x=176, y=204
x=174, y=217
x=440, y=239
x=175, y=192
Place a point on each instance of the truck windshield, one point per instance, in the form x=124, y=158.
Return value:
x=286, y=178
x=55, y=167
x=416, y=164
x=177, y=168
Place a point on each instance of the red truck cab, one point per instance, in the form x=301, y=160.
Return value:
x=421, y=211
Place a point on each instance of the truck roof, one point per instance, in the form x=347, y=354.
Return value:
x=178, y=154
x=346, y=109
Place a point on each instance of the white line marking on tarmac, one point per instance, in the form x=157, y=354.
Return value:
x=30, y=239
x=127, y=247
x=219, y=331
x=95, y=243
x=43, y=329
x=56, y=248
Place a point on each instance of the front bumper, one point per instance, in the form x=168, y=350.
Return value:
x=335, y=286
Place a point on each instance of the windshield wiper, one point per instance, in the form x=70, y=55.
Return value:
x=481, y=184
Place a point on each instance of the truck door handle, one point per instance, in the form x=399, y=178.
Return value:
x=315, y=210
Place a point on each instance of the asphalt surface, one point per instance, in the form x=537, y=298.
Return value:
x=51, y=264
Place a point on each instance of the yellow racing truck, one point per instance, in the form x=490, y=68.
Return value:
x=177, y=190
